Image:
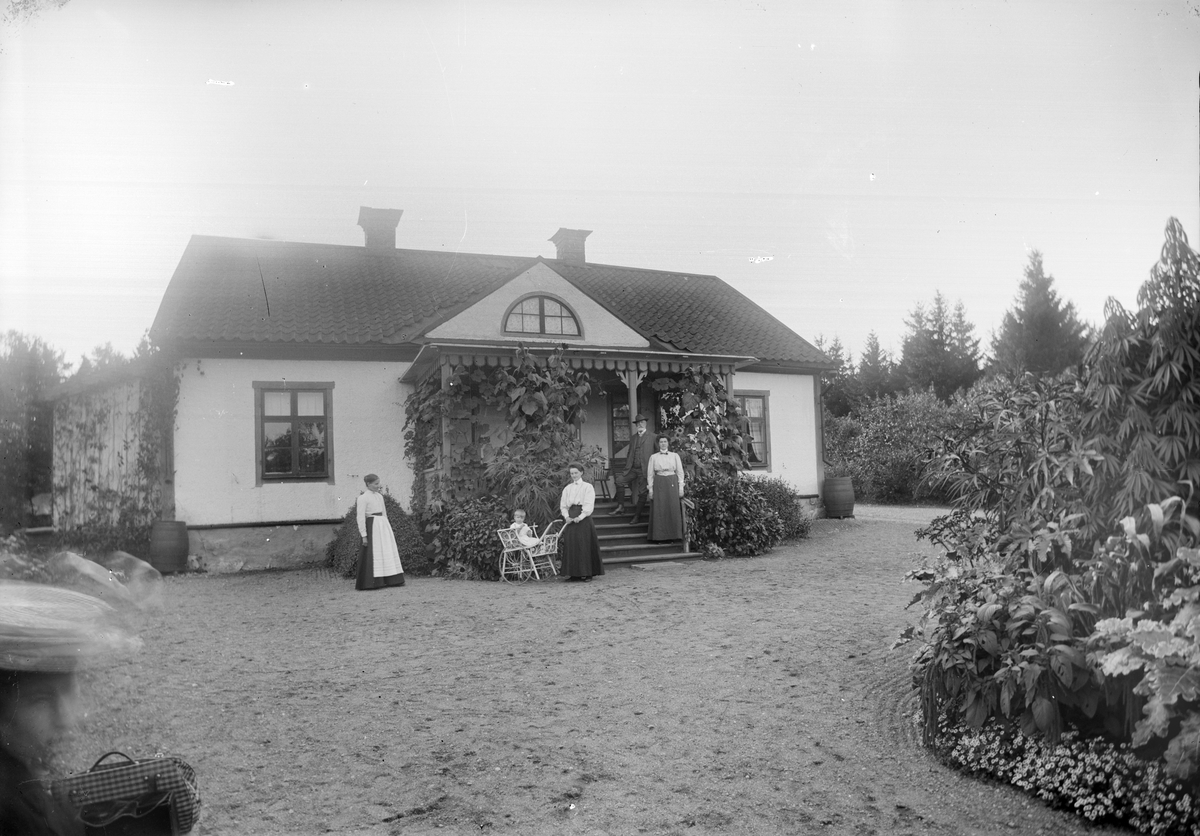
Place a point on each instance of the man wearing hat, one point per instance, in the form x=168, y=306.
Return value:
x=634, y=474
x=46, y=634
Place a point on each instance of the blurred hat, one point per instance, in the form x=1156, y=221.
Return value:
x=639, y=418
x=54, y=630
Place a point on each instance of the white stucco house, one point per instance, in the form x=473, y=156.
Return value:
x=294, y=361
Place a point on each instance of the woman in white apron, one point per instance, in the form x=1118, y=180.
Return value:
x=379, y=559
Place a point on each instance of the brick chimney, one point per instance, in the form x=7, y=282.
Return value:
x=570, y=245
x=379, y=225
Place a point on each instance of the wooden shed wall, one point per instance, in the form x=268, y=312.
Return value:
x=98, y=439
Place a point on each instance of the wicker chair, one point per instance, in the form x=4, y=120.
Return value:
x=545, y=553
x=519, y=562
x=515, y=562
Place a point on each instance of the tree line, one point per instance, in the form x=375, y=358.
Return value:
x=1040, y=333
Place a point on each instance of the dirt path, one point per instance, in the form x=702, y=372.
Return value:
x=743, y=696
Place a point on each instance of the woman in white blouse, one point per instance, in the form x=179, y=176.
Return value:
x=581, y=549
x=664, y=481
x=379, y=559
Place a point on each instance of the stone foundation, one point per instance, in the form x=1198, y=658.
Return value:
x=223, y=550
x=812, y=506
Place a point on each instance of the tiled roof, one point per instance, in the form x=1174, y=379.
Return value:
x=696, y=313
x=271, y=291
x=239, y=290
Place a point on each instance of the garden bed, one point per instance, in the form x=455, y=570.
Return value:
x=741, y=696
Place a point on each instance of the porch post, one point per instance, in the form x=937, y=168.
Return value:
x=632, y=378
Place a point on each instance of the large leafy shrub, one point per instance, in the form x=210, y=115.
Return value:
x=1015, y=464
x=1142, y=388
x=535, y=482
x=882, y=445
x=342, y=552
x=730, y=512
x=1157, y=640
x=1067, y=594
x=785, y=501
x=464, y=537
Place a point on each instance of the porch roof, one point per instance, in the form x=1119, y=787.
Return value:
x=580, y=357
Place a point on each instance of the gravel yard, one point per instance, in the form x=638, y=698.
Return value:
x=740, y=696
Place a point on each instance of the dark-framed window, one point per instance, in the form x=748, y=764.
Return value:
x=542, y=315
x=755, y=409
x=293, y=431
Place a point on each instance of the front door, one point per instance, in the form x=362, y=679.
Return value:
x=620, y=428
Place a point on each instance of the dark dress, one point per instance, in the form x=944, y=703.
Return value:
x=366, y=564
x=666, y=508
x=580, y=548
x=666, y=512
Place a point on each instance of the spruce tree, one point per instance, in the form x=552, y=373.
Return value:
x=940, y=350
x=838, y=385
x=1039, y=333
x=876, y=371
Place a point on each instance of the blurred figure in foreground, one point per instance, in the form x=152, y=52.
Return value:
x=46, y=634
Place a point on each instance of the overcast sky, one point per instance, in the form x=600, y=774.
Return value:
x=836, y=162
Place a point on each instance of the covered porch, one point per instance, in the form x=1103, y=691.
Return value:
x=621, y=387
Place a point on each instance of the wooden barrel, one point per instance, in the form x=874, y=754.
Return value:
x=839, y=496
x=169, y=546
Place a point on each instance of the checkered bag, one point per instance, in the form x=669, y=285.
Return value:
x=152, y=795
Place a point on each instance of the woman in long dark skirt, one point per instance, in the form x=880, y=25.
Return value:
x=379, y=559
x=581, y=550
x=664, y=480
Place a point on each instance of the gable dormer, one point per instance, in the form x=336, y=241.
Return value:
x=539, y=305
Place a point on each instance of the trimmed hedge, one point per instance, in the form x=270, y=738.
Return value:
x=341, y=554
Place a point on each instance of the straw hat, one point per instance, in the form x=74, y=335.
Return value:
x=54, y=630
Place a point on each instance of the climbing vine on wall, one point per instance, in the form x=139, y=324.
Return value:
x=705, y=425
x=112, y=460
x=422, y=438
x=509, y=431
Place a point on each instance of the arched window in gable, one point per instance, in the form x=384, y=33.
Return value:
x=542, y=315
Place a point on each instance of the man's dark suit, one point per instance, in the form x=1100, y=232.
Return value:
x=641, y=448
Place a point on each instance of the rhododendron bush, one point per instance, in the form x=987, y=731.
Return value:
x=1066, y=597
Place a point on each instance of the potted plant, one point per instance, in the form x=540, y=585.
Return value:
x=838, y=492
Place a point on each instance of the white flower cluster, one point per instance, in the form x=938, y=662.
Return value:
x=1095, y=778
